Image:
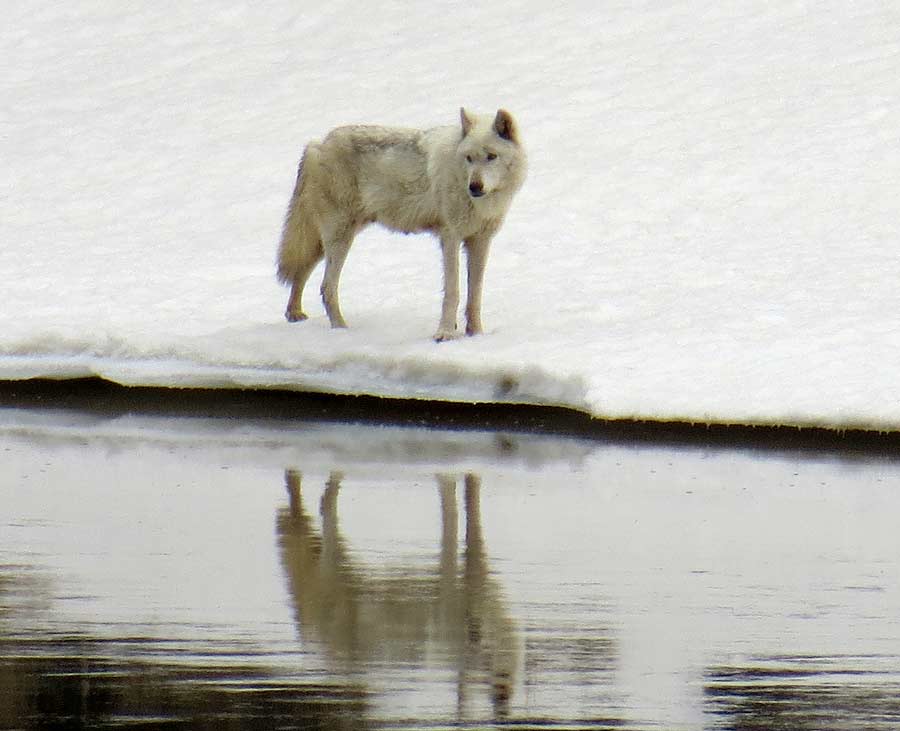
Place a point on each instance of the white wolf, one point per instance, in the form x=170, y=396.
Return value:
x=455, y=181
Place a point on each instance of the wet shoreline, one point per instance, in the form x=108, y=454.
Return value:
x=99, y=396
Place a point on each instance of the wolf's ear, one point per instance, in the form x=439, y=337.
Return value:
x=466, y=120
x=505, y=126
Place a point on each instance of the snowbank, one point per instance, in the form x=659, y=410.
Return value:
x=708, y=232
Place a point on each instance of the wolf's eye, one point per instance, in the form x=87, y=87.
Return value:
x=491, y=157
x=468, y=158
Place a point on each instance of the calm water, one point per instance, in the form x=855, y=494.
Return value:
x=163, y=573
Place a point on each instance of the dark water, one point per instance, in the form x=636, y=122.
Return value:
x=161, y=573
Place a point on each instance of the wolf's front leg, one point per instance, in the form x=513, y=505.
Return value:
x=450, y=251
x=476, y=259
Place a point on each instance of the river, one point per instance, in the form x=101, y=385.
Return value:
x=160, y=572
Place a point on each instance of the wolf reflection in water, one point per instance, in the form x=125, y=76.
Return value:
x=401, y=616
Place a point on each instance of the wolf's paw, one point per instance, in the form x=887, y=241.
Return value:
x=292, y=316
x=444, y=334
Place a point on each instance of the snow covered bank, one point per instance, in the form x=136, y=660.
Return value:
x=709, y=231
x=341, y=362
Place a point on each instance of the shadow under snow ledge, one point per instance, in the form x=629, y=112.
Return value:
x=345, y=374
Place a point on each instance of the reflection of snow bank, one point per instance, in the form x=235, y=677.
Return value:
x=708, y=232
x=278, y=442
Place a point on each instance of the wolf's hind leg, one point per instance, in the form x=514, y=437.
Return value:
x=294, y=311
x=335, y=255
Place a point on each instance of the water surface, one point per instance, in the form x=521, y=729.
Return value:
x=159, y=572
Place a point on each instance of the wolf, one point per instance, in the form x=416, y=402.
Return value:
x=454, y=181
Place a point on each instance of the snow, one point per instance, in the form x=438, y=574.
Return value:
x=708, y=232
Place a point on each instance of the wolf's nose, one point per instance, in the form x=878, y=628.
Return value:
x=476, y=189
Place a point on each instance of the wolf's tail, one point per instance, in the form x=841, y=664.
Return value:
x=300, y=245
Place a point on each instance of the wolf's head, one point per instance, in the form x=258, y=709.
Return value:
x=492, y=153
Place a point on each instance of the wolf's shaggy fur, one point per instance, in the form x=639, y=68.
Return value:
x=456, y=182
